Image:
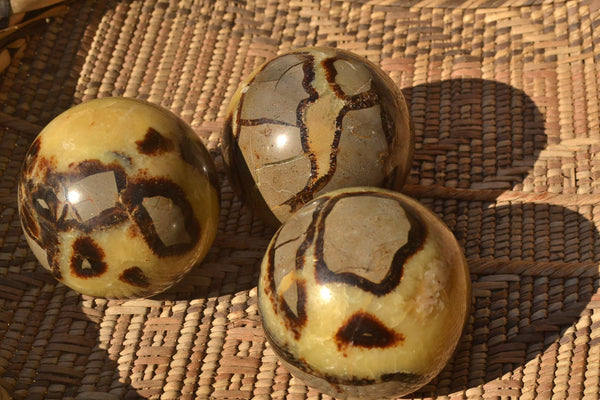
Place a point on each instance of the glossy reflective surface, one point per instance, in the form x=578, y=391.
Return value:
x=315, y=120
x=118, y=198
x=363, y=293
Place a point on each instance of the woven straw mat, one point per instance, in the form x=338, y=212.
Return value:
x=505, y=102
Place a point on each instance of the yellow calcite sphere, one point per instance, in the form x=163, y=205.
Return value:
x=363, y=293
x=118, y=198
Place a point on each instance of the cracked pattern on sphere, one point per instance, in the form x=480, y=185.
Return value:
x=315, y=120
x=363, y=293
x=114, y=189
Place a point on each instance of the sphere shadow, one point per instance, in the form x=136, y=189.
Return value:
x=488, y=136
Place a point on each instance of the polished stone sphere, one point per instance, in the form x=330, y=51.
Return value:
x=314, y=120
x=363, y=293
x=118, y=198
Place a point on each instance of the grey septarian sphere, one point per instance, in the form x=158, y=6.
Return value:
x=314, y=120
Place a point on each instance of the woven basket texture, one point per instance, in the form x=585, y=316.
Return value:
x=504, y=96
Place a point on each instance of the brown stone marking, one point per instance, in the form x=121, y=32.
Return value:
x=154, y=143
x=135, y=277
x=416, y=239
x=133, y=198
x=87, y=260
x=365, y=330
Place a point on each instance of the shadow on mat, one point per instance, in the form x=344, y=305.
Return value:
x=487, y=135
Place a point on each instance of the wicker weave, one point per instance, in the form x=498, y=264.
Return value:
x=505, y=101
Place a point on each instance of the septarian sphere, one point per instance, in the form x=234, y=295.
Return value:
x=118, y=198
x=364, y=293
x=311, y=121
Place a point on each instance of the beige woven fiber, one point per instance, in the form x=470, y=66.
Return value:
x=504, y=95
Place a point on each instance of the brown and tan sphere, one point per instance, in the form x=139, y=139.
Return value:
x=314, y=120
x=364, y=293
x=118, y=198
